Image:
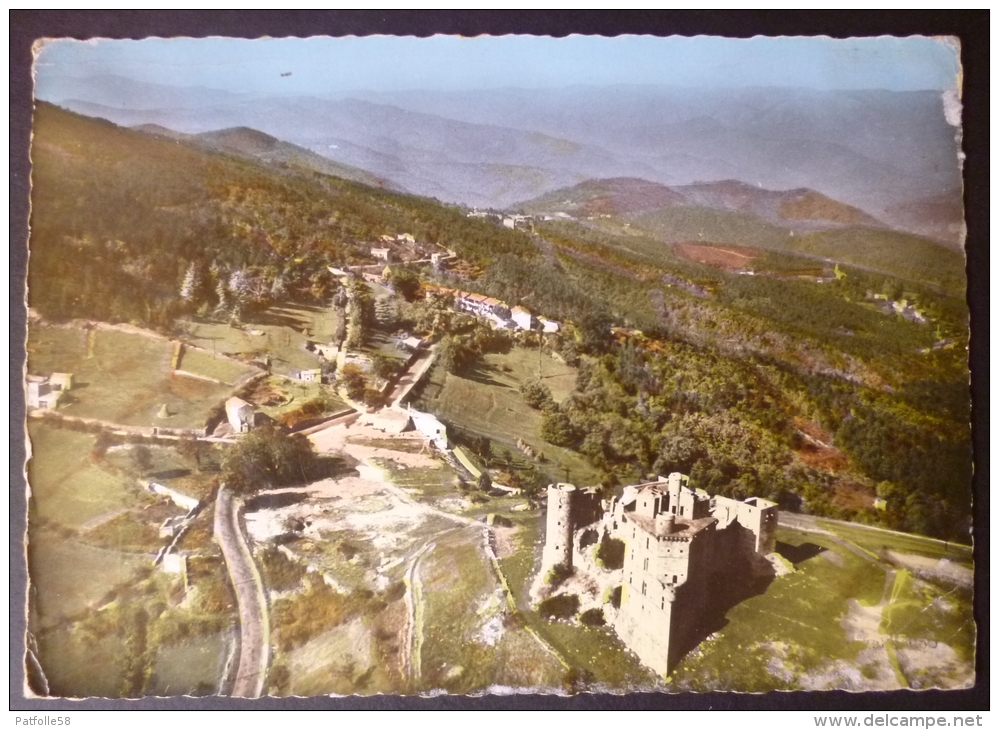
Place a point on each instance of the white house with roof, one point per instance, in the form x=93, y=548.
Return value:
x=309, y=375
x=428, y=425
x=521, y=317
x=240, y=414
x=383, y=254
x=549, y=325
x=45, y=392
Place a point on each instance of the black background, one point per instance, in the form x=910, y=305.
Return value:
x=971, y=27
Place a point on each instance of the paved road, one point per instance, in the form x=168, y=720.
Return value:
x=254, y=626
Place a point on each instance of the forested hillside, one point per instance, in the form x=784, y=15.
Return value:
x=119, y=218
x=803, y=382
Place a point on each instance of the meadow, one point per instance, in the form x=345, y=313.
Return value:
x=487, y=402
x=280, y=332
x=121, y=377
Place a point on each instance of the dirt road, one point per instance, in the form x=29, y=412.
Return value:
x=254, y=626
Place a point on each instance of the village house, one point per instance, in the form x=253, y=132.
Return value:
x=383, y=254
x=428, y=425
x=241, y=414
x=327, y=352
x=406, y=238
x=521, y=317
x=549, y=325
x=46, y=392
x=310, y=375
x=412, y=343
x=681, y=546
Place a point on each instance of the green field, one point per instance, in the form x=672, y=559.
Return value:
x=284, y=330
x=469, y=641
x=874, y=541
x=794, y=632
x=68, y=577
x=488, y=402
x=923, y=611
x=67, y=486
x=296, y=393
x=120, y=377
x=218, y=368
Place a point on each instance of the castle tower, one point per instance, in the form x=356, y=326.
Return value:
x=558, y=533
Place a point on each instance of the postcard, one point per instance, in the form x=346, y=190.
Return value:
x=495, y=365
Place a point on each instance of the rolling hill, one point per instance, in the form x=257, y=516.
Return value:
x=730, y=212
x=264, y=148
x=884, y=153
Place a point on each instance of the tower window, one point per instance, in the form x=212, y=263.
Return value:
x=643, y=587
x=645, y=566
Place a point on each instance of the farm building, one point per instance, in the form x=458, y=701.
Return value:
x=327, y=352
x=429, y=426
x=45, y=392
x=549, y=325
x=241, y=414
x=311, y=375
x=413, y=343
x=384, y=254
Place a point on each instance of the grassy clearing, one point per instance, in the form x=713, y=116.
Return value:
x=68, y=577
x=277, y=396
x=517, y=567
x=170, y=468
x=67, y=486
x=487, y=402
x=381, y=343
x=457, y=585
x=598, y=652
x=191, y=667
x=69, y=664
x=284, y=329
x=125, y=379
x=875, y=542
x=430, y=481
x=219, y=368
x=795, y=624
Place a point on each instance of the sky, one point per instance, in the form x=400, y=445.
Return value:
x=326, y=65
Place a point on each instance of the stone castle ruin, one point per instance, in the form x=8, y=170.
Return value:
x=683, y=550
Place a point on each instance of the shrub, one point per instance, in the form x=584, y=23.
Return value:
x=592, y=617
x=613, y=596
x=576, y=679
x=561, y=606
x=536, y=394
x=610, y=553
x=559, y=574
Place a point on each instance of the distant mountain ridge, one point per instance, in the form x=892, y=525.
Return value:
x=800, y=207
x=262, y=147
x=881, y=152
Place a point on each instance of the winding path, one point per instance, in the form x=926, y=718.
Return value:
x=254, y=625
x=413, y=643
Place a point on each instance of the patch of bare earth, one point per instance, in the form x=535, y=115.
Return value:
x=722, y=257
